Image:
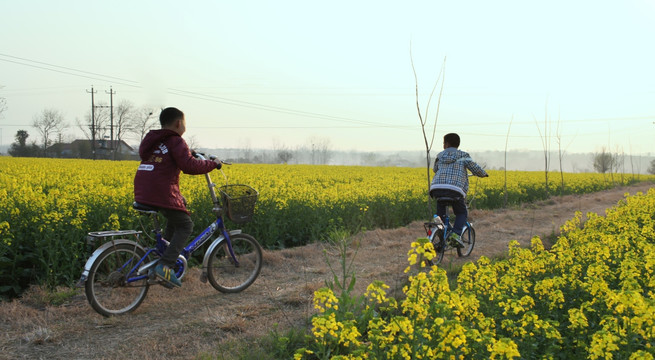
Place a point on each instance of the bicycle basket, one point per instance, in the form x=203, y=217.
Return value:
x=239, y=202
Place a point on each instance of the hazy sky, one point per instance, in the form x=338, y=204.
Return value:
x=271, y=73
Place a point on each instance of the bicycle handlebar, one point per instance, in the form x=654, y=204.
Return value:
x=203, y=156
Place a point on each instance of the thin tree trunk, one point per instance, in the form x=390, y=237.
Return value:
x=505, y=167
x=423, y=120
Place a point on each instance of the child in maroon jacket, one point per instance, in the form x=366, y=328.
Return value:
x=163, y=155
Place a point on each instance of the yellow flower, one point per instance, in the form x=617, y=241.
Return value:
x=503, y=348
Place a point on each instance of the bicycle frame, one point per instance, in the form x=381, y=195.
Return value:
x=140, y=269
x=217, y=226
x=117, y=275
x=198, y=241
x=447, y=228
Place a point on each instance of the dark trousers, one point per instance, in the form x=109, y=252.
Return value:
x=459, y=208
x=178, y=228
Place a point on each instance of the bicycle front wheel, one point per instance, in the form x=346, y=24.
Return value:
x=468, y=238
x=110, y=288
x=226, y=276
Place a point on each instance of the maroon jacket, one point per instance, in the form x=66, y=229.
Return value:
x=157, y=182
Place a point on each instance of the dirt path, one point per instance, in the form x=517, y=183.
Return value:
x=195, y=319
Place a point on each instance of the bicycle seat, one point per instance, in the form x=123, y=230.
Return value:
x=446, y=200
x=145, y=208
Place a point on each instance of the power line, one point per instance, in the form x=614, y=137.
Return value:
x=283, y=127
x=252, y=105
x=66, y=68
x=190, y=94
x=277, y=109
x=554, y=122
x=68, y=73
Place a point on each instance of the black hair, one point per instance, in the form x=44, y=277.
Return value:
x=169, y=115
x=452, y=139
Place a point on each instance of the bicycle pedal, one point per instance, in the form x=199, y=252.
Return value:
x=203, y=278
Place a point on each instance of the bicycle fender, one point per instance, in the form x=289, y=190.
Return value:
x=98, y=251
x=211, y=247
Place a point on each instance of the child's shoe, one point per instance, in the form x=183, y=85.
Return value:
x=455, y=240
x=167, y=275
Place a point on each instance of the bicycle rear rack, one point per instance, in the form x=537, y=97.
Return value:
x=94, y=236
x=114, y=233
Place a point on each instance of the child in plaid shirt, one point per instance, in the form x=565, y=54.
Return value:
x=451, y=180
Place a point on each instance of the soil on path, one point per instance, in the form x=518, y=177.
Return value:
x=196, y=319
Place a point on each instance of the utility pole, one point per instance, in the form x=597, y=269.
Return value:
x=93, y=119
x=111, y=122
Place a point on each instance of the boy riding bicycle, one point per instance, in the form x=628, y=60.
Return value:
x=163, y=155
x=451, y=180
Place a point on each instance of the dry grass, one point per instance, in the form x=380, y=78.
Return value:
x=196, y=319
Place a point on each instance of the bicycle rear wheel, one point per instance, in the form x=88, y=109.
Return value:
x=468, y=238
x=226, y=276
x=439, y=248
x=108, y=288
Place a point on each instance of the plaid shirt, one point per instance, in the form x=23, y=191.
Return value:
x=450, y=170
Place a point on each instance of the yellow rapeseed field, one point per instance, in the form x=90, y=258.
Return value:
x=592, y=296
x=50, y=204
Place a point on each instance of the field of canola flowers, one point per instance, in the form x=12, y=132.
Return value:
x=591, y=297
x=49, y=205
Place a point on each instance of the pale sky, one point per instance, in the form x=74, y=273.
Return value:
x=267, y=73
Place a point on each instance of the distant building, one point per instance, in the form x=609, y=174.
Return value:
x=104, y=149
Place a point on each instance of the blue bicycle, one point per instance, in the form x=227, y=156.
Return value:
x=438, y=232
x=117, y=275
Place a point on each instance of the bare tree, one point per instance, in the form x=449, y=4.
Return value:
x=284, y=156
x=423, y=119
x=651, y=168
x=505, y=167
x=632, y=164
x=49, y=123
x=99, y=125
x=604, y=161
x=545, y=142
x=561, y=153
x=612, y=158
x=321, y=150
x=124, y=116
x=192, y=142
x=619, y=163
x=246, y=151
x=143, y=122
x=371, y=159
x=3, y=103
x=283, y=153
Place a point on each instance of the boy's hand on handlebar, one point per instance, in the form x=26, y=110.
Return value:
x=219, y=163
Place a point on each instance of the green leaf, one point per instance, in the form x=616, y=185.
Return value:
x=351, y=286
